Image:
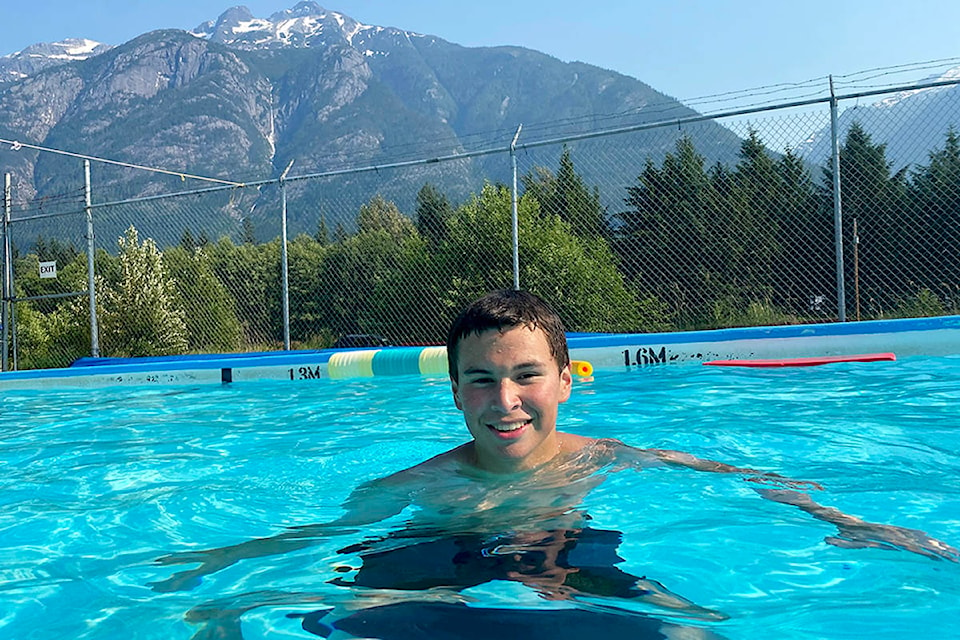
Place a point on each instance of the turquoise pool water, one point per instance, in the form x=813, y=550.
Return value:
x=97, y=484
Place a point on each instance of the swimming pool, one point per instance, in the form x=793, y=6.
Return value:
x=100, y=483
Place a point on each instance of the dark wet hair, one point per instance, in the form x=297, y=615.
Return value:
x=506, y=309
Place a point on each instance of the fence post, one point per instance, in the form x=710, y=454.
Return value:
x=284, y=263
x=837, y=208
x=5, y=291
x=91, y=282
x=515, y=214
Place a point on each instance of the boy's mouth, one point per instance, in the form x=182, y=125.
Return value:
x=509, y=429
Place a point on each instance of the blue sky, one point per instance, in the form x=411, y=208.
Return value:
x=685, y=48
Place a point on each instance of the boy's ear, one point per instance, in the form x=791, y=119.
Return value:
x=566, y=383
x=456, y=394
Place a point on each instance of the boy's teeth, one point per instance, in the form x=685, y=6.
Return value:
x=509, y=427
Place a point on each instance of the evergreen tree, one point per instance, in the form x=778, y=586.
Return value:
x=670, y=244
x=541, y=185
x=55, y=250
x=751, y=224
x=566, y=196
x=187, y=240
x=248, y=236
x=433, y=211
x=323, y=234
x=877, y=200
x=576, y=204
x=935, y=217
x=808, y=285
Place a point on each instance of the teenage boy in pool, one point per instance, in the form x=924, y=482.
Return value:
x=506, y=505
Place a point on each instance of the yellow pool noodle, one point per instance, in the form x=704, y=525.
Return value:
x=581, y=368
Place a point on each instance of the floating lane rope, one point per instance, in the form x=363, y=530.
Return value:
x=388, y=362
x=351, y=364
x=407, y=360
x=433, y=361
x=397, y=361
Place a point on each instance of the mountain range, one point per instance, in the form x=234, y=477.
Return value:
x=240, y=97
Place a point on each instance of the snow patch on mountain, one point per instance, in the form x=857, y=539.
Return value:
x=204, y=30
x=37, y=57
x=306, y=24
x=69, y=49
x=350, y=34
x=949, y=75
x=257, y=24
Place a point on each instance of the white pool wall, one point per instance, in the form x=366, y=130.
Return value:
x=909, y=337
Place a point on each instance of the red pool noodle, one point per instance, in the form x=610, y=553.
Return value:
x=803, y=362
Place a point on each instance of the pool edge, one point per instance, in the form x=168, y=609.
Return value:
x=905, y=337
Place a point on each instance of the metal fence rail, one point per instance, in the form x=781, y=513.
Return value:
x=773, y=217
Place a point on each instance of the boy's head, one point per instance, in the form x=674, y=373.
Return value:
x=502, y=310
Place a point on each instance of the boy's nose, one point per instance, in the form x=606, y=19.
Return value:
x=507, y=398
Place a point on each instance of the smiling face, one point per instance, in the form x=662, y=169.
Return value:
x=509, y=387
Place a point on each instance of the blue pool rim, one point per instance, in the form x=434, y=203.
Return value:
x=905, y=337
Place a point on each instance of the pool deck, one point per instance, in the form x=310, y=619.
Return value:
x=911, y=337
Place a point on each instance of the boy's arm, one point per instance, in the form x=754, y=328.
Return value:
x=369, y=503
x=856, y=533
x=681, y=459
x=853, y=532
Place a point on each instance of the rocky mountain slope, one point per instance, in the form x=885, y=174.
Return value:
x=240, y=97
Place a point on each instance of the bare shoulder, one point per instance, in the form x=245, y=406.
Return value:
x=572, y=443
x=623, y=453
x=602, y=451
x=421, y=473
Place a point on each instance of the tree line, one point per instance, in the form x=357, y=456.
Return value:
x=754, y=244
x=692, y=247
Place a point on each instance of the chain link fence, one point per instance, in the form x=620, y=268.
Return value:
x=709, y=222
